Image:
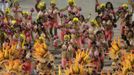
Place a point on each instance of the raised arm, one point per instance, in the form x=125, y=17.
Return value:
x=97, y=2
x=131, y=3
x=1, y=12
x=96, y=5
x=63, y=9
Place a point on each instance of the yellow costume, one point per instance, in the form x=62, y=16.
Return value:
x=40, y=47
x=1, y=55
x=79, y=64
x=115, y=49
x=41, y=54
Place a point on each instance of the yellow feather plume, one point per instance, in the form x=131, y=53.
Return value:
x=78, y=66
x=119, y=41
x=8, y=10
x=114, y=45
x=59, y=72
x=40, y=48
x=1, y=55
x=41, y=5
x=71, y=1
x=53, y=1
x=24, y=38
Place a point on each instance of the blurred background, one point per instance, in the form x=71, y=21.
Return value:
x=88, y=6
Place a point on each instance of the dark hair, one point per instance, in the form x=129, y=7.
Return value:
x=99, y=32
x=130, y=31
x=110, y=5
x=82, y=18
x=128, y=17
x=132, y=23
x=97, y=17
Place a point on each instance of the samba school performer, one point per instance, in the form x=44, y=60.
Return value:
x=53, y=18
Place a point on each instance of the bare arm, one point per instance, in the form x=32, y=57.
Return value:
x=131, y=3
x=97, y=1
x=1, y=12
x=96, y=5
x=64, y=9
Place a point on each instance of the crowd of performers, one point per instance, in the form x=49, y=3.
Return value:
x=84, y=43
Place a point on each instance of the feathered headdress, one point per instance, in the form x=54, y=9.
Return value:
x=114, y=49
x=102, y=5
x=53, y=1
x=7, y=10
x=94, y=22
x=13, y=22
x=71, y=1
x=25, y=12
x=41, y=5
x=24, y=38
x=125, y=6
x=75, y=19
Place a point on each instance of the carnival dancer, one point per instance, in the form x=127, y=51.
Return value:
x=106, y=12
x=124, y=16
x=72, y=9
x=53, y=18
x=100, y=7
x=75, y=28
x=42, y=19
x=36, y=6
x=108, y=31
